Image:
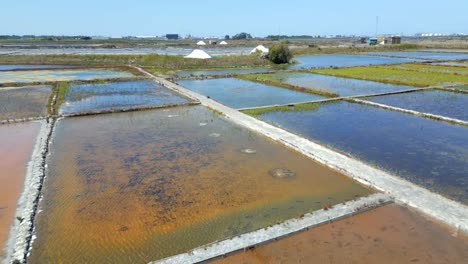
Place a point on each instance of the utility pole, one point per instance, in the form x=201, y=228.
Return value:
x=376, y=26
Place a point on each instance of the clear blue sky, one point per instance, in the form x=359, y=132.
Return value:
x=218, y=17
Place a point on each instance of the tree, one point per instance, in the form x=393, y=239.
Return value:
x=227, y=37
x=279, y=53
x=242, y=35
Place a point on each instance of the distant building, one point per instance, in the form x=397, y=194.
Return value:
x=213, y=42
x=396, y=40
x=172, y=36
x=373, y=41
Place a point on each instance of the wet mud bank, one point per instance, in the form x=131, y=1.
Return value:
x=22, y=120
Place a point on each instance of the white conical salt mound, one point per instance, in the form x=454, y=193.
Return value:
x=198, y=54
x=261, y=48
x=223, y=43
x=201, y=43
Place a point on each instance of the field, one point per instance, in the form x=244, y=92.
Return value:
x=122, y=166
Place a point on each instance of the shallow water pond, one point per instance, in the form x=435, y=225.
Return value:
x=221, y=72
x=430, y=153
x=426, y=55
x=16, y=146
x=111, y=95
x=140, y=186
x=444, y=103
x=389, y=234
x=340, y=86
x=175, y=51
x=242, y=94
x=29, y=66
x=60, y=75
x=343, y=60
x=24, y=102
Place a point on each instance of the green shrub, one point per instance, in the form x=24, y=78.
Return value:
x=279, y=54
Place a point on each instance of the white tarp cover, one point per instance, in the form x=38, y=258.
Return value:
x=198, y=54
x=223, y=43
x=201, y=43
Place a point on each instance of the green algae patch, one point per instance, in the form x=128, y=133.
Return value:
x=406, y=74
x=278, y=79
x=424, y=67
x=60, y=91
x=283, y=108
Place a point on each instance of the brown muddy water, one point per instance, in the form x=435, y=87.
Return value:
x=16, y=103
x=141, y=186
x=389, y=234
x=16, y=146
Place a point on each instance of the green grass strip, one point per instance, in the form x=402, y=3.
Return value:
x=277, y=79
x=397, y=74
x=284, y=108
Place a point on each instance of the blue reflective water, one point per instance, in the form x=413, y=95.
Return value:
x=430, y=153
x=111, y=95
x=242, y=94
x=343, y=60
x=444, y=103
x=425, y=55
x=221, y=72
x=21, y=66
x=60, y=75
x=338, y=85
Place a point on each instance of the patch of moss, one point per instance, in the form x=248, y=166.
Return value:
x=60, y=90
x=405, y=74
x=284, y=108
x=277, y=79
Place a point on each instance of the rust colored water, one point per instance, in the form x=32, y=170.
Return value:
x=136, y=187
x=390, y=234
x=16, y=144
